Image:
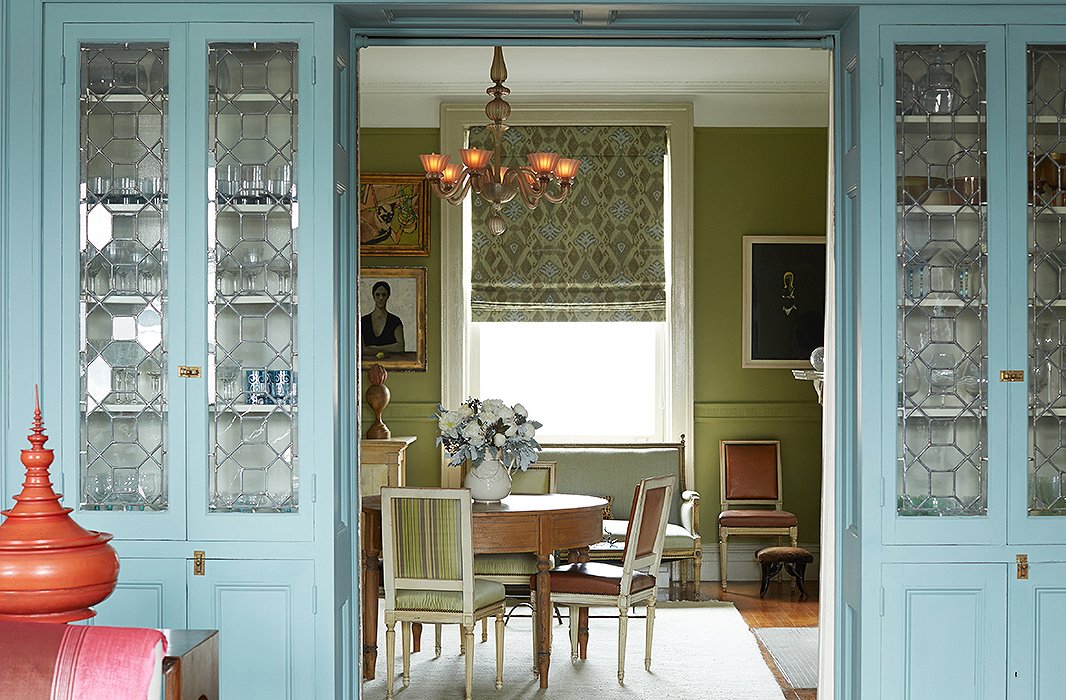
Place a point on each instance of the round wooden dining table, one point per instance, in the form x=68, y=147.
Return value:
x=539, y=524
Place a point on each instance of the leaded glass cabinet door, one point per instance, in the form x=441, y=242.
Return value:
x=1038, y=515
x=945, y=451
x=121, y=172
x=250, y=266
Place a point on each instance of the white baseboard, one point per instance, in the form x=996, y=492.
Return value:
x=742, y=564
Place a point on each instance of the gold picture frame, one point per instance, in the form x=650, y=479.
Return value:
x=403, y=322
x=393, y=214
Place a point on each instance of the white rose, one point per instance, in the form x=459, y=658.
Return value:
x=507, y=415
x=473, y=435
x=499, y=440
x=465, y=411
x=448, y=421
x=511, y=431
x=520, y=410
x=526, y=430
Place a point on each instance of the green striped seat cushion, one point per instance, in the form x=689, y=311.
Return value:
x=485, y=593
x=522, y=564
x=677, y=537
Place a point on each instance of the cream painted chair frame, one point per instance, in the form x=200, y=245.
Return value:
x=631, y=561
x=730, y=504
x=466, y=618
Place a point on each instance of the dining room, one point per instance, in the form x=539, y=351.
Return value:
x=725, y=154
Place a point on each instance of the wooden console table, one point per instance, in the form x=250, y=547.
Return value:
x=383, y=463
x=190, y=666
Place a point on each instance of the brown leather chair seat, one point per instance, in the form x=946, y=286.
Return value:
x=595, y=578
x=757, y=518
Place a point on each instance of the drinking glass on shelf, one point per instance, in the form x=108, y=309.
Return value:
x=148, y=279
x=253, y=180
x=98, y=186
x=282, y=273
x=123, y=272
x=252, y=264
x=152, y=187
x=228, y=180
x=280, y=184
x=228, y=373
x=92, y=268
x=942, y=373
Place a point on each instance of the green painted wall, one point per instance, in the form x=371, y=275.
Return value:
x=747, y=181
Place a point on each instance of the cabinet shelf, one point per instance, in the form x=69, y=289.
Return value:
x=122, y=300
x=911, y=413
x=922, y=210
x=934, y=301
x=254, y=300
x=939, y=119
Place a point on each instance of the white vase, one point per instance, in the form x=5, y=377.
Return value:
x=488, y=482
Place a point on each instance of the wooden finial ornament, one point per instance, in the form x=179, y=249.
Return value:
x=377, y=396
x=51, y=569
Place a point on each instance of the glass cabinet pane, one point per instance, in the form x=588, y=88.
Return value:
x=941, y=216
x=123, y=276
x=252, y=277
x=1047, y=278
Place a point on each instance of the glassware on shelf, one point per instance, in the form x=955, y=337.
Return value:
x=228, y=374
x=148, y=278
x=280, y=184
x=942, y=372
x=254, y=181
x=91, y=271
x=98, y=186
x=281, y=271
x=938, y=90
x=126, y=191
x=227, y=273
x=252, y=264
x=906, y=93
x=122, y=276
x=228, y=180
x=152, y=187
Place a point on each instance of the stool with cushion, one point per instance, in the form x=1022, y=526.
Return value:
x=793, y=559
x=427, y=552
x=751, y=495
x=585, y=584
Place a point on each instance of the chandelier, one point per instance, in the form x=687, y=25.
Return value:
x=548, y=176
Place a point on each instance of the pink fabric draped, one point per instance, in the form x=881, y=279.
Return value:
x=74, y=662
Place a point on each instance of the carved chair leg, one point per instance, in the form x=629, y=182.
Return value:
x=649, y=625
x=468, y=639
x=436, y=645
x=697, y=566
x=623, y=620
x=583, y=632
x=390, y=654
x=405, y=628
x=574, y=626
x=723, y=557
x=484, y=629
x=793, y=534
x=499, y=652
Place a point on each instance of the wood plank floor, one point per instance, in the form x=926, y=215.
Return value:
x=780, y=608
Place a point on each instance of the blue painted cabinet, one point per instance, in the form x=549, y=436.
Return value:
x=973, y=243
x=180, y=167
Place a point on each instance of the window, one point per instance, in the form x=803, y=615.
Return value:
x=623, y=380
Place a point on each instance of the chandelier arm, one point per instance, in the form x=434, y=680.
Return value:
x=454, y=193
x=564, y=192
x=525, y=179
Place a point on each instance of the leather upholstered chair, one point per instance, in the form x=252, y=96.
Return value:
x=428, y=557
x=751, y=495
x=580, y=585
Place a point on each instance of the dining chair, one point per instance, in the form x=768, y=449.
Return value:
x=427, y=552
x=751, y=476
x=585, y=584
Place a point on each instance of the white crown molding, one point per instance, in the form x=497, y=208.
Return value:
x=534, y=89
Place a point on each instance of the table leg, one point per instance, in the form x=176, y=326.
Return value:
x=544, y=619
x=371, y=582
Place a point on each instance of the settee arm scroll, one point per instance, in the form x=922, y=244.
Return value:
x=690, y=512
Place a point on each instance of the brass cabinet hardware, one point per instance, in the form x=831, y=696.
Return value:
x=1012, y=375
x=199, y=562
x=188, y=372
x=1023, y=565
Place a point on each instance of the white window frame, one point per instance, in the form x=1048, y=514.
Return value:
x=455, y=120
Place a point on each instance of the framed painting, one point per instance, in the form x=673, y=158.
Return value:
x=392, y=324
x=393, y=215
x=783, y=300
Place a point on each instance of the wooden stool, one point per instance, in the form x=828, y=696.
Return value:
x=795, y=561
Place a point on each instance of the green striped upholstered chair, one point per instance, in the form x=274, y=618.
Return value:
x=427, y=553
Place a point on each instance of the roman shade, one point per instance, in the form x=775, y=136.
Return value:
x=598, y=256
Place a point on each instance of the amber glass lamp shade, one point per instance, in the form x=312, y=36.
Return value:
x=566, y=168
x=51, y=569
x=434, y=162
x=543, y=163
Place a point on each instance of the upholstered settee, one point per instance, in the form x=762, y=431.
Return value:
x=72, y=662
x=612, y=471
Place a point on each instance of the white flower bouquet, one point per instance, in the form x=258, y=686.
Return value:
x=488, y=429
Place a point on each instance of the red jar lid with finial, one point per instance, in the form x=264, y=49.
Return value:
x=51, y=569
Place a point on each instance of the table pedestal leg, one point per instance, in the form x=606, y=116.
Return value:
x=371, y=582
x=544, y=619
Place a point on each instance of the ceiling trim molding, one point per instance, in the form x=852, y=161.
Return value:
x=576, y=87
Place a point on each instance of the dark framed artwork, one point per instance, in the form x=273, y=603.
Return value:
x=392, y=322
x=783, y=300
x=393, y=215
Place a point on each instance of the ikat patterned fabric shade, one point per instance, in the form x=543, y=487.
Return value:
x=598, y=256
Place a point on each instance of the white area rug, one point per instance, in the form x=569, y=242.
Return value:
x=795, y=652
x=700, y=651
